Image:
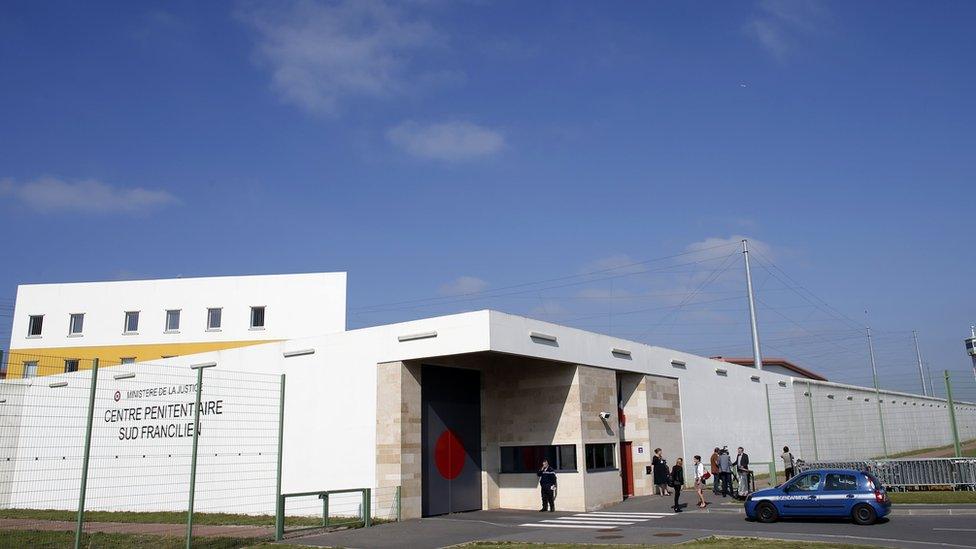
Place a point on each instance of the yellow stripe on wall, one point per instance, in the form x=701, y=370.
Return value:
x=51, y=360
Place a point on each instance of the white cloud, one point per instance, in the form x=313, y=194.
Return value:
x=447, y=141
x=777, y=23
x=320, y=53
x=464, y=285
x=50, y=194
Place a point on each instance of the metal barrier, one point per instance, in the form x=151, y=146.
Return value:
x=905, y=474
x=361, y=509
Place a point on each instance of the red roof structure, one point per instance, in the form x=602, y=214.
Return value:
x=772, y=361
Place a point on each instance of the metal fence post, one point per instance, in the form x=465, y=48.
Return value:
x=193, y=459
x=813, y=423
x=84, y=463
x=367, y=513
x=279, y=503
x=772, y=445
x=952, y=415
x=325, y=509
x=279, y=522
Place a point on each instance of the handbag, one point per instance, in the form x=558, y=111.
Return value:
x=706, y=476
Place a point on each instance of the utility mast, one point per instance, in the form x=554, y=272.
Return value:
x=756, y=353
x=918, y=356
x=877, y=393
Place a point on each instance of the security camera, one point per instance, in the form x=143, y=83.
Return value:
x=604, y=415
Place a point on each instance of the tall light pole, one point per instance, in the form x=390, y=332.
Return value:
x=756, y=353
x=918, y=356
x=877, y=394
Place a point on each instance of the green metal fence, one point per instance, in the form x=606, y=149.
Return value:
x=348, y=508
x=821, y=421
x=147, y=443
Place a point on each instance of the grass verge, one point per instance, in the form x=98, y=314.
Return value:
x=170, y=517
x=932, y=497
x=968, y=450
x=60, y=540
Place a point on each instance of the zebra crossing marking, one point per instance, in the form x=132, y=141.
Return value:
x=598, y=520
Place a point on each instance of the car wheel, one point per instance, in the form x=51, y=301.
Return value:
x=864, y=514
x=766, y=512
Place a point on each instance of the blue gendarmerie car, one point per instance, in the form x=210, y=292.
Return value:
x=822, y=493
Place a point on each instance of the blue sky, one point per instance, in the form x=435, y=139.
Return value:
x=444, y=151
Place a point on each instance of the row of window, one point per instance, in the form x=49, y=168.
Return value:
x=70, y=365
x=561, y=457
x=130, y=325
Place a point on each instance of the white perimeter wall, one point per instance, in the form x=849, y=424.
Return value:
x=848, y=427
x=329, y=435
x=297, y=305
x=330, y=405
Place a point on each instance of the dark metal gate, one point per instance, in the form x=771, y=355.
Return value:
x=451, y=433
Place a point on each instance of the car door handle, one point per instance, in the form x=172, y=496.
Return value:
x=811, y=497
x=850, y=496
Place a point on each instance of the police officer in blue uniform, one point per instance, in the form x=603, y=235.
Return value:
x=547, y=481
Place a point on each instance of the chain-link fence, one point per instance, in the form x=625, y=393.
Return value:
x=147, y=448
x=150, y=446
x=833, y=422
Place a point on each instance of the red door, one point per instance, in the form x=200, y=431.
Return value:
x=627, y=468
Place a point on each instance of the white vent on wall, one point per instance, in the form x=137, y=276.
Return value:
x=58, y=384
x=831, y=397
x=782, y=384
x=543, y=337
x=679, y=364
x=755, y=378
x=300, y=352
x=721, y=371
x=620, y=352
x=129, y=375
x=414, y=337
x=850, y=398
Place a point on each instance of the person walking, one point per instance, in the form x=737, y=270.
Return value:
x=660, y=467
x=715, y=475
x=788, y=462
x=700, y=481
x=547, y=482
x=677, y=481
x=725, y=471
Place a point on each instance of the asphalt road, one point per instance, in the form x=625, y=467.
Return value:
x=648, y=520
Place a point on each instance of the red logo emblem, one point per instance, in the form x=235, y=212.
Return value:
x=449, y=455
x=118, y=396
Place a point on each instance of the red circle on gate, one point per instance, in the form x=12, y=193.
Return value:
x=449, y=455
